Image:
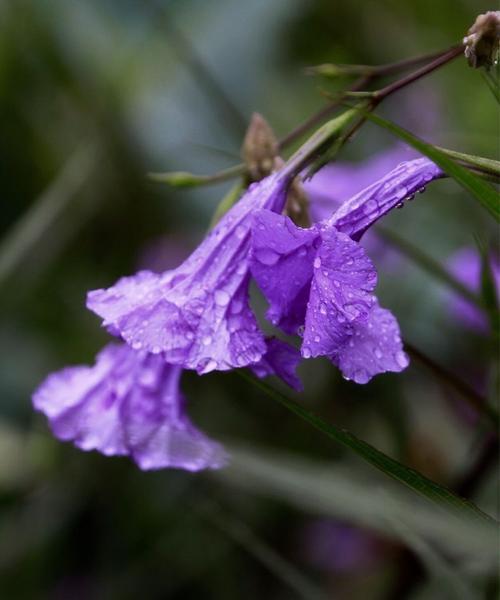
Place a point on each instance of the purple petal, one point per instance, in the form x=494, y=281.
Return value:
x=340, y=295
x=356, y=215
x=337, y=182
x=128, y=403
x=281, y=360
x=198, y=315
x=374, y=346
x=281, y=263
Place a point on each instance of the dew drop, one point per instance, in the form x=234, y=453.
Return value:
x=306, y=352
x=401, y=359
x=210, y=366
x=378, y=353
x=317, y=262
x=221, y=297
x=240, y=232
x=322, y=309
x=207, y=340
x=267, y=256
x=136, y=345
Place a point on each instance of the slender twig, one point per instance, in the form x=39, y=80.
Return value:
x=466, y=391
x=419, y=73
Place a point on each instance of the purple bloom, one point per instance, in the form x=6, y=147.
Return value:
x=319, y=281
x=465, y=265
x=128, y=403
x=197, y=315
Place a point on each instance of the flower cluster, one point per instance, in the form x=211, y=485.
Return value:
x=319, y=283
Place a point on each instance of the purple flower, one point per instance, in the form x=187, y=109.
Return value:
x=319, y=281
x=128, y=403
x=197, y=315
x=465, y=265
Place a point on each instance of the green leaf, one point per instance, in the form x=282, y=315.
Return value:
x=409, y=477
x=429, y=264
x=492, y=83
x=483, y=192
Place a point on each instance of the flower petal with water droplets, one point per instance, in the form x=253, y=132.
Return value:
x=281, y=263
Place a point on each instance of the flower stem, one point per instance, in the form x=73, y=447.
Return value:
x=477, y=401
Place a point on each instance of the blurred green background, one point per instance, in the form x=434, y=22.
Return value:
x=93, y=95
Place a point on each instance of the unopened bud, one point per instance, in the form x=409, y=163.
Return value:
x=482, y=45
x=260, y=148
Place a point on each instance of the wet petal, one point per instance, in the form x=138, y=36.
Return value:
x=128, y=403
x=373, y=347
x=356, y=215
x=281, y=263
x=340, y=295
x=197, y=315
x=281, y=360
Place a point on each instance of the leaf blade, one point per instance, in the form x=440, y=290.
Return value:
x=484, y=193
x=409, y=477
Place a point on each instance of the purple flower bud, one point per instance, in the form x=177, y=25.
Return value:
x=127, y=404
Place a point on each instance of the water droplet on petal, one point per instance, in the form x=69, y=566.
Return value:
x=240, y=232
x=378, y=353
x=221, y=297
x=207, y=340
x=306, y=352
x=136, y=345
x=317, y=262
x=266, y=256
x=402, y=359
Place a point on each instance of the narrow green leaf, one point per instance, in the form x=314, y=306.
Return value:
x=332, y=488
x=430, y=265
x=483, y=192
x=410, y=477
x=489, y=294
x=492, y=83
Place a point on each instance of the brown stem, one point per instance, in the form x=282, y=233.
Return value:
x=425, y=70
x=467, y=392
x=321, y=115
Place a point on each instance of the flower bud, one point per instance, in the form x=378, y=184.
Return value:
x=260, y=148
x=483, y=42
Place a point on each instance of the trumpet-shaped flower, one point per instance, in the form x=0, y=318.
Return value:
x=197, y=315
x=128, y=403
x=320, y=282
